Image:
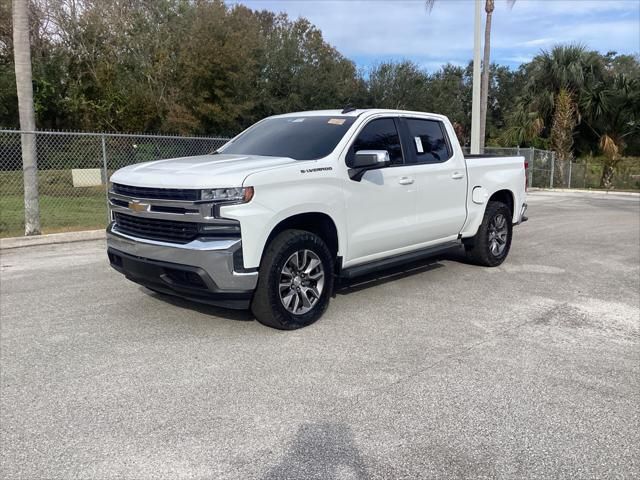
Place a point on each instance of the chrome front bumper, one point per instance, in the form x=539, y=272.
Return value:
x=215, y=258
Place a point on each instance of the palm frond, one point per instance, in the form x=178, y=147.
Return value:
x=428, y=4
x=609, y=147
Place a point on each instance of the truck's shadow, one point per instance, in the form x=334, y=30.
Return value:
x=324, y=450
x=342, y=287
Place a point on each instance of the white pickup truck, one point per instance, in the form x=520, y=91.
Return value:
x=273, y=218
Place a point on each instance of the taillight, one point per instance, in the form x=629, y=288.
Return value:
x=526, y=176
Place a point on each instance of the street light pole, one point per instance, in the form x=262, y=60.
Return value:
x=475, y=102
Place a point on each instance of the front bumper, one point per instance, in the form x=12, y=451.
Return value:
x=201, y=270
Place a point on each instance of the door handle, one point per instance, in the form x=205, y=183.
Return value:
x=457, y=175
x=405, y=181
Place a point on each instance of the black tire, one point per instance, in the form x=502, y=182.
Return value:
x=479, y=248
x=267, y=304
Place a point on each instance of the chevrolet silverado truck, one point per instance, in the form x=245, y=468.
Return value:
x=275, y=217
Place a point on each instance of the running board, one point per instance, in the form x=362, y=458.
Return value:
x=359, y=270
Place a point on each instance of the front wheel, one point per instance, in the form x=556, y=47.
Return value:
x=295, y=281
x=490, y=246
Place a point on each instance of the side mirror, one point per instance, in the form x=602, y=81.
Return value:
x=365, y=160
x=370, y=159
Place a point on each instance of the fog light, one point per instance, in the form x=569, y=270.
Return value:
x=221, y=228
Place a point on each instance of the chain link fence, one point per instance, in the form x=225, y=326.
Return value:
x=588, y=174
x=73, y=170
x=545, y=171
x=541, y=163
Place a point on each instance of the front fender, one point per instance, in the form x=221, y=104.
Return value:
x=274, y=204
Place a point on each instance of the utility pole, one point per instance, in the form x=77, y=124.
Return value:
x=475, y=102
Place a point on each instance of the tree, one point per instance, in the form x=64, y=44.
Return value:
x=8, y=92
x=398, y=86
x=177, y=66
x=505, y=85
x=564, y=122
x=550, y=99
x=22, y=62
x=489, y=6
x=611, y=109
x=298, y=70
x=449, y=92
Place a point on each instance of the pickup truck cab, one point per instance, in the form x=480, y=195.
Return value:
x=271, y=219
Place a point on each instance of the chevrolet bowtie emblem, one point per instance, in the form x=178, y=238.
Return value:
x=138, y=207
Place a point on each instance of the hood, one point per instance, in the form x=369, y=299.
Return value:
x=204, y=171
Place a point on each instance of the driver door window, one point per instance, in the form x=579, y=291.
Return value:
x=380, y=134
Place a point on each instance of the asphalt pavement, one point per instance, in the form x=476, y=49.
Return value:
x=438, y=370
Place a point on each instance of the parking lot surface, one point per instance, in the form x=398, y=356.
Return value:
x=438, y=370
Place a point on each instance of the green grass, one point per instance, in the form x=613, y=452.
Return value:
x=63, y=207
x=57, y=214
x=587, y=172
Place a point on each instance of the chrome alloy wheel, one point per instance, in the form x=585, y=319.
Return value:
x=498, y=232
x=301, y=282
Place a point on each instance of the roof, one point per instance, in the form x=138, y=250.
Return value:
x=354, y=113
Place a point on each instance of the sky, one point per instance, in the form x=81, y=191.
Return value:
x=372, y=31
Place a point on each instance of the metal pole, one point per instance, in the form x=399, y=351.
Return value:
x=475, y=102
x=569, y=181
x=584, y=178
x=553, y=162
x=106, y=176
x=531, y=165
x=532, y=154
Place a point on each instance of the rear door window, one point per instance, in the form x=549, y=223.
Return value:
x=428, y=141
x=379, y=134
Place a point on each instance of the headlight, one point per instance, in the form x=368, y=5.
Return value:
x=238, y=194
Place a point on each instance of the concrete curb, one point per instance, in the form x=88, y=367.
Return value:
x=593, y=192
x=66, y=237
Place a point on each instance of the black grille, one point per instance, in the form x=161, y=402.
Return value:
x=157, y=193
x=153, y=229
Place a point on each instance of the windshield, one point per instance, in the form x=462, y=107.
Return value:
x=300, y=138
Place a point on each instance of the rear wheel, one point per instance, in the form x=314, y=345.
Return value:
x=295, y=281
x=491, y=244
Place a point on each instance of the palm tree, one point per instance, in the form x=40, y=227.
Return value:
x=489, y=6
x=610, y=110
x=555, y=80
x=564, y=122
x=22, y=55
x=569, y=67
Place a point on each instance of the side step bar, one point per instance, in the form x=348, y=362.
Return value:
x=359, y=270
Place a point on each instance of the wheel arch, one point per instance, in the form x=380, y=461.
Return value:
x=476, y=211
x=505, y=196
x=318, y=223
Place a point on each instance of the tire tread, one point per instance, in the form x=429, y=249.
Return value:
x=266, y=306
x=478, y=248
